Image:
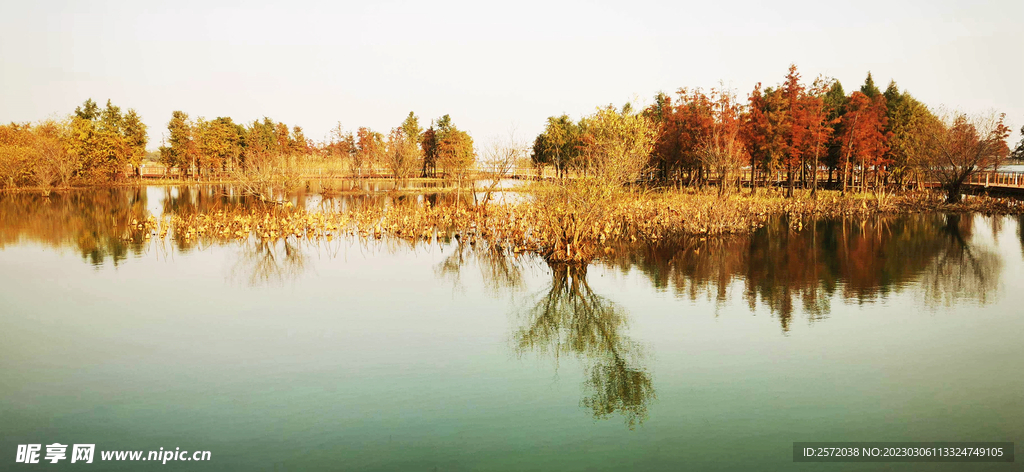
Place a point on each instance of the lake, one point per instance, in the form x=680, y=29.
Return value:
x=354, y=354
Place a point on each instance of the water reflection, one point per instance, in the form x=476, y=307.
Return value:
x=101, y=224
x=1020, y=230
x=785, y=266
x=206, y=199
x=501, y=272
x=960, y=270
x=266, y=262
x=569, y=318
x=860, y=260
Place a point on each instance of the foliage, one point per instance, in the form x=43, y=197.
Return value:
x=1018, y=153
x=960, y=145
x=723, y=151
x=401, y=153
x=559, y=145
x=766, y=125
x=869, y=89
x=452, y=149
x=617, y=144
x=907, y=123
x=107, y=141
x=682, y=129
x=835, y=101
x=369, y=150
x=863, y=133
x=92, y=146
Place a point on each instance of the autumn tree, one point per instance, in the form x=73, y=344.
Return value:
x=181, y=150
x=370, y=150
x=15, y=154
x=92, y=145
x=107, y=141
x=683, y=128
x=53, y=163
x=722, y=150
x=402, y=149
x=298, y=143
x=814, y=127
x=962, y=145
x=663, y=155
x=790, y=127
x=907, y=123
x=428, y=146
x=796, y=133
x=863, y=135
x=218, y=142
x=453, y=149
x=262, y=140
x=134, y=131
x=558, y=145
x=342, y=144
x=1018, y=153
x=282, y=139
x=765, y=127
x=617, y=147
x=617, y=144
x=501, y=159
x=835, y=101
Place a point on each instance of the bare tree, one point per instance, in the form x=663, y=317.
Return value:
x=401, y=154
x=501, y=159
x=961, y=145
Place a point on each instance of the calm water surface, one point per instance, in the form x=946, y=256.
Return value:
x=383, y=355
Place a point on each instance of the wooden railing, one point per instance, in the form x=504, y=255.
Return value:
x=997, y=179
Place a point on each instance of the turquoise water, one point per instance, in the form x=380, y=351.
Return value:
x=381, y=355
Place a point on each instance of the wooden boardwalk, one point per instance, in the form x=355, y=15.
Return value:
x=1006, y=182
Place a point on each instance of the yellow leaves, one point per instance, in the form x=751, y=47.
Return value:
x=629, y=218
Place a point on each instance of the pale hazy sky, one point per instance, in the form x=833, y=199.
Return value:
x=491, y=66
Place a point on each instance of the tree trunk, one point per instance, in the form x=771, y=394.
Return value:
x=863, y=178
x=814, y=178
x=846, y=175
x=789, y=181
x=953, y=191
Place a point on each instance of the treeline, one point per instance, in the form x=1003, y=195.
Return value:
x=91, y=146
x=869, y=137
x=203, y=147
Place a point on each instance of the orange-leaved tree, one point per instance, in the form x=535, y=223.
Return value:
x=962, y=145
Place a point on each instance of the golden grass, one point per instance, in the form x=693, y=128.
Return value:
x=626, y=217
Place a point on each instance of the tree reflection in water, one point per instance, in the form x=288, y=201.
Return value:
x=570, y=319
x=100, y=224
x=266, y=262
x=1020, y=230
x=567, y=318
x=785, y=266
x=860, y=260
x=501, y=272
x=960, y=270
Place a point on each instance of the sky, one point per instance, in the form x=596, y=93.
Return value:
x=495, y=67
